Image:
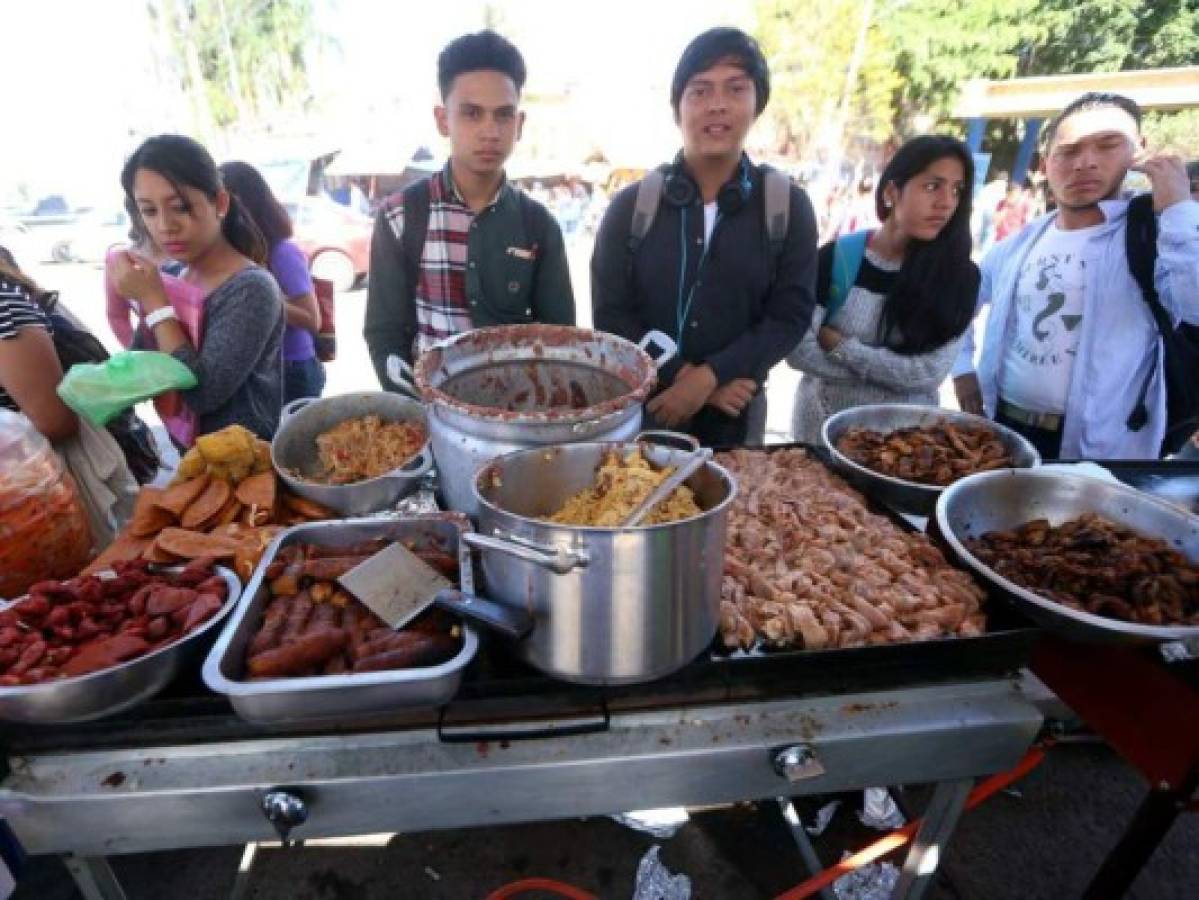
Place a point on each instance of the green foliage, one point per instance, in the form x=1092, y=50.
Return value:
x=921, y=52
x=249, y=54
x=1178, y=131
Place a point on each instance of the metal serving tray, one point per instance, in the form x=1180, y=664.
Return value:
x=996, y=501
x=898, y=493
x=333, y=697
x=112, y=690
x=1004, y=647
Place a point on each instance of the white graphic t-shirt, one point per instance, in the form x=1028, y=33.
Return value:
x=1049, y=308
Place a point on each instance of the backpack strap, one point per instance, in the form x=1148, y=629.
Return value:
x=645, y=208
x=848, y=252
x=416, y=225
x=778, y=209
x=1140, y=246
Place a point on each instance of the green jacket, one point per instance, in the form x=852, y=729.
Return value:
x=502, y=287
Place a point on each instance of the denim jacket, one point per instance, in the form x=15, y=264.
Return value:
x=1119, y=344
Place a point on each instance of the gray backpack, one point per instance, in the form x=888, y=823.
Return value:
x=778, y=209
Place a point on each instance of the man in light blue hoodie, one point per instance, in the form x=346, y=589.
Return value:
x=1070, y=341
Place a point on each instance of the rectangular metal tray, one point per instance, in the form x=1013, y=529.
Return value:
x=339, y=697
x=1005, y=647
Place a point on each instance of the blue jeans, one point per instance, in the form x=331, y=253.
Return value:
x=302, y=378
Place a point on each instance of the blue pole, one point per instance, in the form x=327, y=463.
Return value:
x=976, y=129
x=1032, y=130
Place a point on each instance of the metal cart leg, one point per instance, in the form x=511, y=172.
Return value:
x=941, y=817
x=94, y=877
x=806, y=850
x=1141, y=838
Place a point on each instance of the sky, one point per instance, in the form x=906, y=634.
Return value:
x=76, y=77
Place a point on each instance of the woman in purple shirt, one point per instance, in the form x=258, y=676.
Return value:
x=303, y=373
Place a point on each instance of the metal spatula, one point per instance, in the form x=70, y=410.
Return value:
x=397, y=585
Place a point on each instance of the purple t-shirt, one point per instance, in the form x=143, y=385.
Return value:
x=290, y=268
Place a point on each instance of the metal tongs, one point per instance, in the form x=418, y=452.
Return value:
x=698, y=457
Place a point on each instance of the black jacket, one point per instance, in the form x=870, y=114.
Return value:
x=747, y=313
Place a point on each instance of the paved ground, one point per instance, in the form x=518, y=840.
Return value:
x=1043, y=844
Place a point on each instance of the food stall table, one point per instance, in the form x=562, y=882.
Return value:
x=183, y=771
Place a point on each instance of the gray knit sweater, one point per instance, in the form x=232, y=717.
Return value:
x=239, y=365
x=859, y=371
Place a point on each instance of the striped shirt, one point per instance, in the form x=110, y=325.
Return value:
x=18, y=311
x=442, y=306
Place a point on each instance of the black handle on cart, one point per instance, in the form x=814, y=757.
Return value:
x=509, y=731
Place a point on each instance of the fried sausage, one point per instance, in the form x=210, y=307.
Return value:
x=426, y=650
x=382, y=640
x=305, y=652
x=297, y=618
x=330, y=567
x=271, y=629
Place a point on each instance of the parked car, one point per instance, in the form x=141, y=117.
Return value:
x=335, y=238
x=92, y=236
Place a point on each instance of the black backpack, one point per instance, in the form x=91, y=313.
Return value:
x=76, y=345
x=1180, y=344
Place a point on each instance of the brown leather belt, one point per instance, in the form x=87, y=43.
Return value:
x=1044, y=421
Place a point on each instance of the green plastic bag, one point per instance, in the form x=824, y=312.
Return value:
x=101, y=391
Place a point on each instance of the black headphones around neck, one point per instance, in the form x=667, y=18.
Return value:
x=680, y=190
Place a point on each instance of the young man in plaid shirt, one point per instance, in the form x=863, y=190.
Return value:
x=463, y=248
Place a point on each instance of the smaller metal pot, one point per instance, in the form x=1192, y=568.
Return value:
x=294, y=450
x=610, y=605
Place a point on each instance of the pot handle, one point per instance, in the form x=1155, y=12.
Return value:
x=290, y=409
x=417, y=467
x=659, y=338
x=509, y=621
x=669, y=439
x=557, y=559
x=401, y=375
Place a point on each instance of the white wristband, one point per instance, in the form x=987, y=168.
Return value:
x=160, y=315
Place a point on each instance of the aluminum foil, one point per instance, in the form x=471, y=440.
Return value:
x=874, y=881
x=662, y=824
x=656, y=882
x=824, y=815
x=419, y=503
x=879, y=810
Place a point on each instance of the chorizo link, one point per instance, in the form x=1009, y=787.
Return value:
x=306, y=652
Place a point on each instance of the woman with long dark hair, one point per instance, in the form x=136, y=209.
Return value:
x=893, y=303
x=303, y=374
x=187, y=211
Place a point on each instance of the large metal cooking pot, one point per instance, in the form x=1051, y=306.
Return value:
x=496, y=390
x=998, y=501
x=898, y=493
x=293, y=451
x=610, y=605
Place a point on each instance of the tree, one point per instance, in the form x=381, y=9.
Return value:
x=810, y=45
x=243, y=58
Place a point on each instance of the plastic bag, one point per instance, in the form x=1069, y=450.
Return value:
x=101, y=391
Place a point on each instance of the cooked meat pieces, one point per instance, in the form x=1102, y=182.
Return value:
x=366, y=447
x=1092, y=564
x=621, y=483
x=936, y=454
x=807, y=564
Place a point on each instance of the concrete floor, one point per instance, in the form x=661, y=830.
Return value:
x=1045, y=842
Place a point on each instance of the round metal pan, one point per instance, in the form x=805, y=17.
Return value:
x=293, y=451
x=997, y=501
x=120, y=687
x=901, y=495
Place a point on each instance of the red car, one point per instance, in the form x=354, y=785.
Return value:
x=335, y=238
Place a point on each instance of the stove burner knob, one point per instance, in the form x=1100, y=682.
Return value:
x=285, y=809
x=797, y=762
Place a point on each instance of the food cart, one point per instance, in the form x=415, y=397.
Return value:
x=512, y=744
